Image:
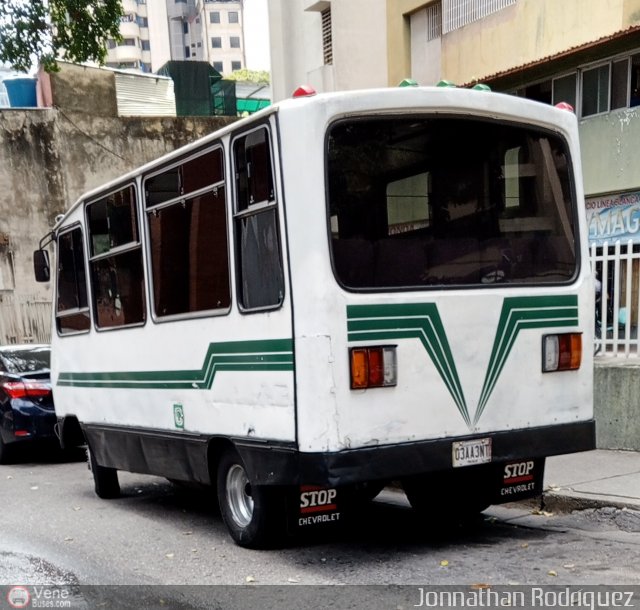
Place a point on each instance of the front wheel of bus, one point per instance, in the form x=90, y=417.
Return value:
x=254, y=514
x=105, y=479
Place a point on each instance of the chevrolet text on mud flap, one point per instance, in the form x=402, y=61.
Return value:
x=340, y=291
x=519, y=479
x=318, y=500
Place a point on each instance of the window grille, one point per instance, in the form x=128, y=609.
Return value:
x=458, y=13
x=434, y=21
x=327, y=43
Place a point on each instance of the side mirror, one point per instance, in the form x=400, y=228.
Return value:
x=41, y=267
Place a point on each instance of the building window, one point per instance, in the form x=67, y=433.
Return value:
x=146, y=45
x=233, y=17
x=327, y=42
x=129, y=42
x=234, y=42
x=619, y=83
x=434, y=21
x=458, y=13
x=634, y=97
x=564, y=89
x=592, y=90
x=218, y=66
x=187, y=52
x=236, y=65
x=185, y=27
x=111, y=44
x=146, y=68
x=142, y=22
x=595, y=90
x=216, y=42
x=214, y=17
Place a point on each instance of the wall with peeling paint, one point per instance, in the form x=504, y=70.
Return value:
x=610, y=155
x=49, y=157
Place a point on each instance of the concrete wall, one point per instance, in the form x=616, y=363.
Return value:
x=609, y=146
x=617, y=403
x=49, y=157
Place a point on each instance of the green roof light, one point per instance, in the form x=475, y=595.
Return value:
x=408, y=82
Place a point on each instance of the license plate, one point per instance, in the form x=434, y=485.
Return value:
x=469, y=453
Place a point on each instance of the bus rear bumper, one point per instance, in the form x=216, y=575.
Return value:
x=270, y=464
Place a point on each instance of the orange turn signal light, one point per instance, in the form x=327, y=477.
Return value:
x=373, y=367
x=562, y=352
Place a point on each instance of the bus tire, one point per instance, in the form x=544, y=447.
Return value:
x=255, y=515
x=105, y=479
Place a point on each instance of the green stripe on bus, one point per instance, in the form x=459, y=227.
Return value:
x=520, y=313
x=264, y=355
x=410, y=321
x=422, y=321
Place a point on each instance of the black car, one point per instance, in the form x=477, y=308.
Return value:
x=26, y=402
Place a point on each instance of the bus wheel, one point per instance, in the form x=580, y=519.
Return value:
x=447, y=496
x=105, y=479
x=255, y=515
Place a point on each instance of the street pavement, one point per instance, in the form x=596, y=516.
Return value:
x=592, y=479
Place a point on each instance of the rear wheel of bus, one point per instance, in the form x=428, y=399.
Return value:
x=105, y=479
x=255, y=515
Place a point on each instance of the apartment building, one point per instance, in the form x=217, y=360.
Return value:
x=586, y=53
x=157, y=31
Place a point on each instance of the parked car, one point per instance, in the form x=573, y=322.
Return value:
x=26, y=402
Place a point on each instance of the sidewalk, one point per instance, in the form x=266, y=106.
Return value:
x=593, y=479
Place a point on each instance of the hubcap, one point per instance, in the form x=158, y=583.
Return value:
x=239, y=497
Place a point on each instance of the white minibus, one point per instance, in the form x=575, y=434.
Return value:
x=338, y=292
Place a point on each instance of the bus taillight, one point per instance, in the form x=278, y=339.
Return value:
x=373, y=367
x=561, y=352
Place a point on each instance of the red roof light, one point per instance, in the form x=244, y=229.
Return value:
x=564, y=106
x=304, y=91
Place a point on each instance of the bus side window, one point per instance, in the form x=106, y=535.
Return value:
x=188, y=237
x=72, y=307
x=258, y=252
x=117, y=277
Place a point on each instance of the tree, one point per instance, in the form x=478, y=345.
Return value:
x=44, y=30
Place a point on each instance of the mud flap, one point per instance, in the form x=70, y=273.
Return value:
x=518, y=480
x=311, y=507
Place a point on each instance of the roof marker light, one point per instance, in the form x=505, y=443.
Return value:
x=408, y=82
x=304, y=91
x=564, y=106
x=481, y=87
x=446, y=83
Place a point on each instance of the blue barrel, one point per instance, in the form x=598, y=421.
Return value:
x=22, y=92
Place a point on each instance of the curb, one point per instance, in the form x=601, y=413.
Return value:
x=554, y=501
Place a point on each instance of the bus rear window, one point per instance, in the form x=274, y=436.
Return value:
x=419, y=202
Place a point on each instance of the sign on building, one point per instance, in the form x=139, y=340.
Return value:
x=614, y=217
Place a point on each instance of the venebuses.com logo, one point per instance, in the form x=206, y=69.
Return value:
x=18, y=597
x=39, y=597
